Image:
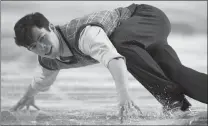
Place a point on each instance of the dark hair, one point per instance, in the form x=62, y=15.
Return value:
x=23, y=27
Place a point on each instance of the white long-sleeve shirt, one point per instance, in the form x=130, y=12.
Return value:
x=94, y=42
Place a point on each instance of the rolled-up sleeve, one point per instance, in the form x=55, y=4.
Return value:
x=43, y=79
x=94, y=42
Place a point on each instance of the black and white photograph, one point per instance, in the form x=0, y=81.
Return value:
x=104, y=63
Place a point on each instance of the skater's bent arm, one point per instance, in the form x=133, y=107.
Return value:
x=118, y=70
x=94, y=42
x=42, y=81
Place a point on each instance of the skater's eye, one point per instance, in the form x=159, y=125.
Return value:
x=42, y=38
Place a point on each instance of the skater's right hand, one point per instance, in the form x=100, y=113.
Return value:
x=127, y=107
x=25, y=101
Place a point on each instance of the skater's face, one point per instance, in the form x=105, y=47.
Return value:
x=45, y=43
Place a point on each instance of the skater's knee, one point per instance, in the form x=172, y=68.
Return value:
x=170, y=70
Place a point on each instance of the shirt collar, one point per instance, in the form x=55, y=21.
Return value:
x=60, y=41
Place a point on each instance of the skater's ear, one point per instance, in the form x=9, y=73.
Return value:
x=51, y=26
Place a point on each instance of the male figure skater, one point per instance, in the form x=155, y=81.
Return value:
x=133, y=38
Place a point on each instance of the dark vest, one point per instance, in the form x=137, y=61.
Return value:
x=70, y=32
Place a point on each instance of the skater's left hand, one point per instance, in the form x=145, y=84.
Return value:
x=128, y=107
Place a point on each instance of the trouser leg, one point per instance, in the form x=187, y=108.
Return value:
x=193, y=82
x=141, y=65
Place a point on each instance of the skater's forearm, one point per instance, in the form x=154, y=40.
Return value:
x=30, y=92
x=43, y=79
x=117, y=68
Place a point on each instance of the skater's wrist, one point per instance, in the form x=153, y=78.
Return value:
x=122, y=91
x=123, y=99
x=123, y=94
x=30, y=92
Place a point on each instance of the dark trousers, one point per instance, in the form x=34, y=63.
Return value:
x=142, y=40
x=160, y=71
x=193, y=83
